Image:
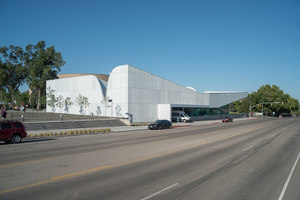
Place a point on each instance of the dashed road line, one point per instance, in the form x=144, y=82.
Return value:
x=248, y=148
x=156, y=193
x=288, y=179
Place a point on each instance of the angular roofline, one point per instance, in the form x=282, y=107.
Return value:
x=157, y=76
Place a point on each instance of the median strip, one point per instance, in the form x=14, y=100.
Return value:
x=68, y=132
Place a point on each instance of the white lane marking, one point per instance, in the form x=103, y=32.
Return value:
x=288, y=179
x=156, y=193
x=248, y=148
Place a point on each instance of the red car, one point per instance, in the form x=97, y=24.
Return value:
x=227, y=119
x=12, y=131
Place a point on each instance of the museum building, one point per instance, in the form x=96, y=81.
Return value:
x=129, y=92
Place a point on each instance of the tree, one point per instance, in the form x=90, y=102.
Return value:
x=270, y=99
x=5, y=97
x=60, y=102
x=82, y=102
x=51, y=99
x=12, y=70
x=118, y=110
x=67, y=104
x=22, y=98
x=105, y=102
x=43, y=64
x=98, y=110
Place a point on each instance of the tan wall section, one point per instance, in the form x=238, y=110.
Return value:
x=99, y=76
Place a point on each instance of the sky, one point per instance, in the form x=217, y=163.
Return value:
x=210, y=45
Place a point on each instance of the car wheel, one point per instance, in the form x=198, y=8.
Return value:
x=16, y=138
x=170, y=126
x=184, y=120
x=159, y=128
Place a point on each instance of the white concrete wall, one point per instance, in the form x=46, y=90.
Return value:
x=146, y=91
x=220, y=99
x=164, y=111
x=88, y=86
x=117, y=90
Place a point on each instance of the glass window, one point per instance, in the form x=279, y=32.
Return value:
x=177, y=109
x=18, y=125
x=175, y=114
x=188, y=111
x=202, y=111
x=6, y=126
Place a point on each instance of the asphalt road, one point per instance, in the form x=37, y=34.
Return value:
x=253, y=159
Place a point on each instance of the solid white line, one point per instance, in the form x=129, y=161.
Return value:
x=288, y=179
x=156, y=193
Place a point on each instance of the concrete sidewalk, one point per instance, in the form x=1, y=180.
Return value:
x=133, y=128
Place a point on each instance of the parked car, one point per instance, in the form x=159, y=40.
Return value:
x=227, y=119
x=12, y=131
x=160, y=124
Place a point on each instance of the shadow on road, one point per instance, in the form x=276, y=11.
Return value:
x=31, y=141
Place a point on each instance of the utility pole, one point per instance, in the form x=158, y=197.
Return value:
x=262, y=106
x=250, y=107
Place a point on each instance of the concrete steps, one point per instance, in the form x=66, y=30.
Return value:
x=34, y=126
x=34, y=121
x=44, y=116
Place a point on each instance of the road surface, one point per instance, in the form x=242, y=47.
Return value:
x=252, y=159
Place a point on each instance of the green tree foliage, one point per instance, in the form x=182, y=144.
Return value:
x=35, y=65
x=12, y=70
x=82, y=102
x=105, y=102
x=43, y=64
x=60, y=102
x=270, y=99
x=51, y=99
x=67, y=104
x=22, y=98
x=5, y=97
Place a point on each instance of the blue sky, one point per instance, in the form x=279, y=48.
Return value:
x=208, y=45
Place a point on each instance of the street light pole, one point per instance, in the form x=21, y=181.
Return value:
x=250, y=107
x=110, y=100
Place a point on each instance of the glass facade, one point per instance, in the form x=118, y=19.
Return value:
x=204, y=111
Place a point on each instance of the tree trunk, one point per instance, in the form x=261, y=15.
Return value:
x=38, y=107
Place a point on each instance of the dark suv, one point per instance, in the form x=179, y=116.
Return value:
x=12, y=131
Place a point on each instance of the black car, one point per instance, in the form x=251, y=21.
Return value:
x=160, y=124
